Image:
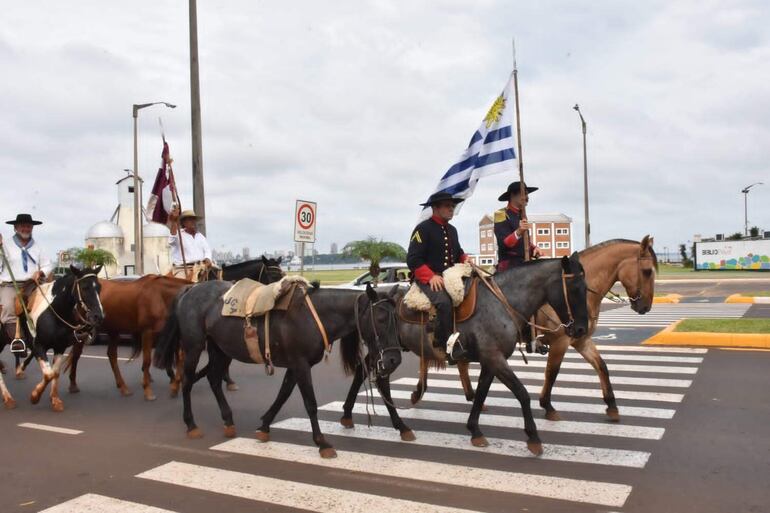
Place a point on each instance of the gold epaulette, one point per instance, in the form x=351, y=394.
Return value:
x=500, y=215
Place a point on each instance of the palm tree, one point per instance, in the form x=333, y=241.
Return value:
x=374, y=250
x=90, y=257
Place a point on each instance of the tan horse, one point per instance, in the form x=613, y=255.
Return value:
x=634, y=265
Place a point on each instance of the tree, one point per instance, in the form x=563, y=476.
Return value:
x=754, y=231
x=735, y=236
x=686, y=261
x=90, y=257
x=374, y=251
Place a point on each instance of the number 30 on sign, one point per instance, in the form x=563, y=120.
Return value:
x=304, y=221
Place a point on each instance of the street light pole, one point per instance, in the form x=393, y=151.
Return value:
x=745, y=192
x=585, y=178
x=199, y=204
x=138, y=224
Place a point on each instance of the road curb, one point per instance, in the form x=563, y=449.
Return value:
x=669, y=337
x=668, y=299
x=754, y=300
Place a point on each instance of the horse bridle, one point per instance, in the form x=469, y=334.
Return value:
x=618, y=299
x=274, y=267
x=379, y=364
x=84, y=326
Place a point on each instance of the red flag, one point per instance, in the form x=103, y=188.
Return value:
x=161, y=197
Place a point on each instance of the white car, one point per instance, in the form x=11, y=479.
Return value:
x=390, y=274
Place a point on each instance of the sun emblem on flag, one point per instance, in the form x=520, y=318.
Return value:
x=495, y=111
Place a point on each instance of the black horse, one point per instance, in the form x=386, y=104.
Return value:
x=258, y=270
x=66, y=310
x=296, y=339
x=491, y=334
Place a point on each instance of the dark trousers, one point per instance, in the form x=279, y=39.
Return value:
x=444, y=313
x=507, y=263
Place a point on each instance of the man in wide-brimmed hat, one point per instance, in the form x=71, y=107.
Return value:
x=510, y=228
x=28, y=263
x=433, y=248
x=196, y=248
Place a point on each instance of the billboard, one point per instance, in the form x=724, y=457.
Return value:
x=733, y=255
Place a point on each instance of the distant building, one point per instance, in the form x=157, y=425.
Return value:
x=117, y=236
x=552, y=233
x=246, y=253
x=334, y=248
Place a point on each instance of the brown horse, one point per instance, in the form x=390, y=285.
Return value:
x=634, y=265
x=139, y=307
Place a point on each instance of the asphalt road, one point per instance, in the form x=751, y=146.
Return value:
x=694, y=437
x=709, y=287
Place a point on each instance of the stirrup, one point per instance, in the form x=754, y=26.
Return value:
x=540, y=346
x=18, y=346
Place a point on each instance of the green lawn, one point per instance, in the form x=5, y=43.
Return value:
x=670, y=272
x=725, y=325
x=334, y=277
x=759, y=293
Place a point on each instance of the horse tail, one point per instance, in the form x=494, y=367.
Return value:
x=350, y=350
x=167, y=341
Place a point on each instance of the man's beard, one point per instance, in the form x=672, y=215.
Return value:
x=24, y=236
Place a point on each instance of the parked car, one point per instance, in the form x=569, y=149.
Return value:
x=389, y=274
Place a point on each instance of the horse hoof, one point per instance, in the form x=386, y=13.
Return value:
x=479, y=441
x=20, y=375
x=57, y=405
x=232, y=387
x=149, y=396
x=613, y=414
x=174, y=394
x=126, y=392
x=484, y=407
x=408, y=436
x=34, y=398
x=328, y=453
x=347, y=422
x=10, y=404
x=535, y=448
x=230, y=431
x=195, y=433
x=74, y=389
x=262, y=436
x=552, y=415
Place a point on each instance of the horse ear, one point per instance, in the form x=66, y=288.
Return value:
x=280, y=258
x=371, y=293
x=264, y=259
x=98, y=270
x=74, y=270
x=645, y=244
x=565, y=264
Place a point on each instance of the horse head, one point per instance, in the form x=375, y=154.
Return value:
x=637, y=275
x=271, y=271
x=377, y=327
x=568, y=297
x=85, y=291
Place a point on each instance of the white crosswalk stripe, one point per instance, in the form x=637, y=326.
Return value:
x=439, y=423
x=663, y=315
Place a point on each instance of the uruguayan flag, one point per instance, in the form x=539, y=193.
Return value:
x=490, y=151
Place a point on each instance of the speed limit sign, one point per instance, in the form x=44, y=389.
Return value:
x=304, y=221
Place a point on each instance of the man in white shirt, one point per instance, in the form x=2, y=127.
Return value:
x=197, y=251
x=28, y=263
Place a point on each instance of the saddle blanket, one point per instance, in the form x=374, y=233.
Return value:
x=453, y=283
x=248, y=298
x=36, y=303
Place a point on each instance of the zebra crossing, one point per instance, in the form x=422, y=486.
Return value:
x=588, y=463
x=662, y=315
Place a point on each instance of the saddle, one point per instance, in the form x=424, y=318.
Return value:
x=247, y=299
x=463, y=311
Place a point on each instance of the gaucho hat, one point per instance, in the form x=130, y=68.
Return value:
x=440, y=196
x=188, y=213
x=515, y=188
x=23, y=219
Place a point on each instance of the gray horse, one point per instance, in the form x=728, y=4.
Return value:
x=490, y=336
x=196, y=323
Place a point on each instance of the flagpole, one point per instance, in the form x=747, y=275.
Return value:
x=174, y=195
x=522, y=188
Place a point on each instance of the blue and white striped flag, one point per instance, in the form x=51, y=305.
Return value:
x=490, y=151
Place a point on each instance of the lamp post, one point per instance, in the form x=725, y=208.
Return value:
x=745, y=192
x=585, y=177
x=138, y=242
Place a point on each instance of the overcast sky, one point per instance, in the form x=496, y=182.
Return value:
x=362, y=106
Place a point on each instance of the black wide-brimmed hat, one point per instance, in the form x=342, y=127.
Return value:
x=23, y=219
x=440, y=196
x=515, y=188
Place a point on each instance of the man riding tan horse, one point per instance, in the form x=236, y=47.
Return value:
x=190, y=250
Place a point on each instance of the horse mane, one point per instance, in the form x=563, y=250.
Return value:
x=611, y=242
x=350, y=352
x=63, y=283
x=247, y=262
